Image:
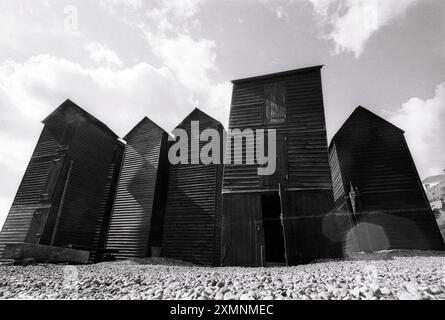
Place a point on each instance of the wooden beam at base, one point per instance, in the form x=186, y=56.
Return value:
x=41, y=253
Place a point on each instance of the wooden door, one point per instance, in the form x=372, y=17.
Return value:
x=37, y=226
x=52, y=178
x=285, y=219
x=280, y=175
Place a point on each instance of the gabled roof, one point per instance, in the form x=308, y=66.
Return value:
x=144, y=121
x=69, y=105
x=197, y=113
x=363, y=112
x=278, y=74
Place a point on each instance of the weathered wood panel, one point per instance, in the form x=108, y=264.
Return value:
x=192, y=222
x=303, y=169
x=28, y=199
x=373, y=156
x=242, y=230
x=309, y=228
x=337, y=180
x=103, y=220
x=45, y=254
x=305, y=129
x=92, y=151
x=70, y=135
x=138, y=190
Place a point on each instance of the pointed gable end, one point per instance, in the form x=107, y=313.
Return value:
x=143, y=125
x=71, y=111
x=201, y=116
x=362, y=118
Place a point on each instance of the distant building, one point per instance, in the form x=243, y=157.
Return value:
x=435, y=187
x=438, y=204
x=67, y=191
x=379, y=198
x=433, y=181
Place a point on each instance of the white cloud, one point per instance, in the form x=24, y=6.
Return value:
x=219, y=101
x=351, y=23
x=166, y=90
x=281, y=13
x=24, y=23
x=5, y=205
x=190, y=60
x=102, y=55
x=423, y=122
x=35, y=87
x=166, y=25
x=120, y=97
x=178, y=8
x=114, y=6
x=181, y=8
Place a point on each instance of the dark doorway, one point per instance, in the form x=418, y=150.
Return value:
x=273, y=229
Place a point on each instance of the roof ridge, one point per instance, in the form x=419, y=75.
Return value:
x=278, y=74
x=359, y=109
x=195, y=111
x=144, y=119
x=70, y=104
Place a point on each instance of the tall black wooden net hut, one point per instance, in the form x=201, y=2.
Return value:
x=136, y=222
x=192, y=221
x=68, y=187
x=379, y=198
x=280, y=218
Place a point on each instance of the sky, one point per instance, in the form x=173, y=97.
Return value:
x=122, y=60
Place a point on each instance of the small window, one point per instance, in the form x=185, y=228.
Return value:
x=275, y=103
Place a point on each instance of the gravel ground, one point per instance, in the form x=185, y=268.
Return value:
x=385, y=276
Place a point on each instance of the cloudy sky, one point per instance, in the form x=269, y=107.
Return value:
x=123, y=59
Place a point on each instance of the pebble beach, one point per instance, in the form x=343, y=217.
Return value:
x=403, y=276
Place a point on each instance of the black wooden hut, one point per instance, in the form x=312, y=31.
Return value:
x=136, y=222
x=68, y=185
x=281, y=218
x=379, y=198
x=192, y=221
